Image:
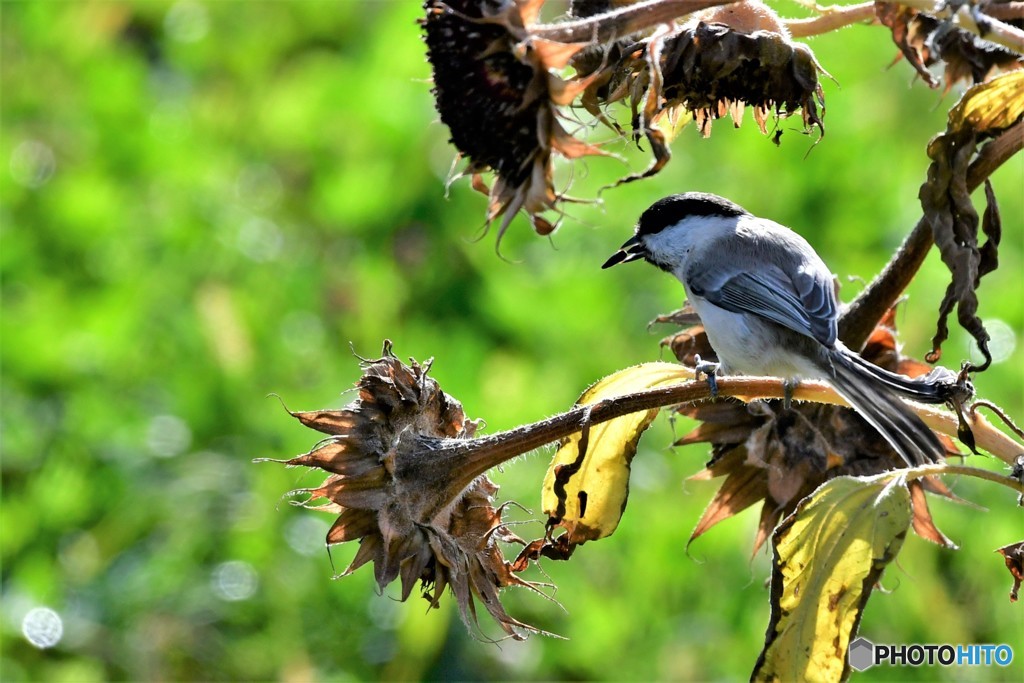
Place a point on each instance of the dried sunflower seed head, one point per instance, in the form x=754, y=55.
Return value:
x=712, y=69
x=401, y=484
x=495, y=89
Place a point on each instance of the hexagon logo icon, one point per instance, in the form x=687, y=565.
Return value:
x=861, y=654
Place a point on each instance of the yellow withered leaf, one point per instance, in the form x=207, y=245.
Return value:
x=587, y=483
x=828, y=556
x=991, y=106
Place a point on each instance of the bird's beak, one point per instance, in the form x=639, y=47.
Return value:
x=632, y=250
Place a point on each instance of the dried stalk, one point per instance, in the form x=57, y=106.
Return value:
x=609, y=26
x=623, y=21
x=476, y=456
x=831, y=19
x=1005, y=10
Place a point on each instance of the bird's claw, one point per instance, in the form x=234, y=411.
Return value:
x=708, y=369
x=788, y=387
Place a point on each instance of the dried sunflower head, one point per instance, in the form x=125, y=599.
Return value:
x=713, y=69
x=778, y=456
x=926, y=41
x=496, y=90
x=727, y=59
x=400, y=485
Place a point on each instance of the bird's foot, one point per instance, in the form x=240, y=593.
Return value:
x=708, y=369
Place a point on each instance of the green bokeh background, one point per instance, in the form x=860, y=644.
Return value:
x=206, y=203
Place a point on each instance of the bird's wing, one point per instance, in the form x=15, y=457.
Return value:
x=799, y=297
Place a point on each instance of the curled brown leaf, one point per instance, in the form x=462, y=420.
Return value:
x=983, y=111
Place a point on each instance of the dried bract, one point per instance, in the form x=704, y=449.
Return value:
x=400, y=485
x=496, y=90
x=778, y=456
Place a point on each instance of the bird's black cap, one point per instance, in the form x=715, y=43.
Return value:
x=676, y=207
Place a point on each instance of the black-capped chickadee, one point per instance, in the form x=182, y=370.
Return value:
x=768, y=305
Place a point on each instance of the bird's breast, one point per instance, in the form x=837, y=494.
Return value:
x=749, y=345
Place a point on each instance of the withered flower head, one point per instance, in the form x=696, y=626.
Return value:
x=712, y=70
x=926, y=41
x=727, y=59
x=495, y=90
x=419, y=505
x=778, y=456
x=732, y=59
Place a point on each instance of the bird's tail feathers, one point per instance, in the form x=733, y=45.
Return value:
x=938, y=386
x=874, y=400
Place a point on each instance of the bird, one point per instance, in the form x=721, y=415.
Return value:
x=768, y=305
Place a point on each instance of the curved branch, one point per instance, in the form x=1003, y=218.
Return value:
x=1005, y=10
x=830, y=19
x=963, y=470
x=620, y=22
x=478, y=455
x=880, y=295
x=986, y=27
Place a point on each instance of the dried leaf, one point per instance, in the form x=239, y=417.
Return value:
x=990, y=107
x=984, y=110
x=587, y=483
x=828, y=555
x=898, y=19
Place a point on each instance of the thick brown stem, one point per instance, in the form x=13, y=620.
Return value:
x=621, y=22
x=990, y=29
x=1005, y=11
x=830, y=19
x=867, y=309
x=476, y=456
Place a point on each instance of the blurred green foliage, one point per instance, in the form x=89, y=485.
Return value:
x=206, y=203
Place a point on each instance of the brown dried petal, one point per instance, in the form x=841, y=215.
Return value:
x=736, y=494
x=924, y=525
x=1013, y=554
x=351, y=525
x=331, y=422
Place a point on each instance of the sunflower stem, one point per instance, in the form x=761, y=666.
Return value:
x=621, y=22
x=473, y=457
